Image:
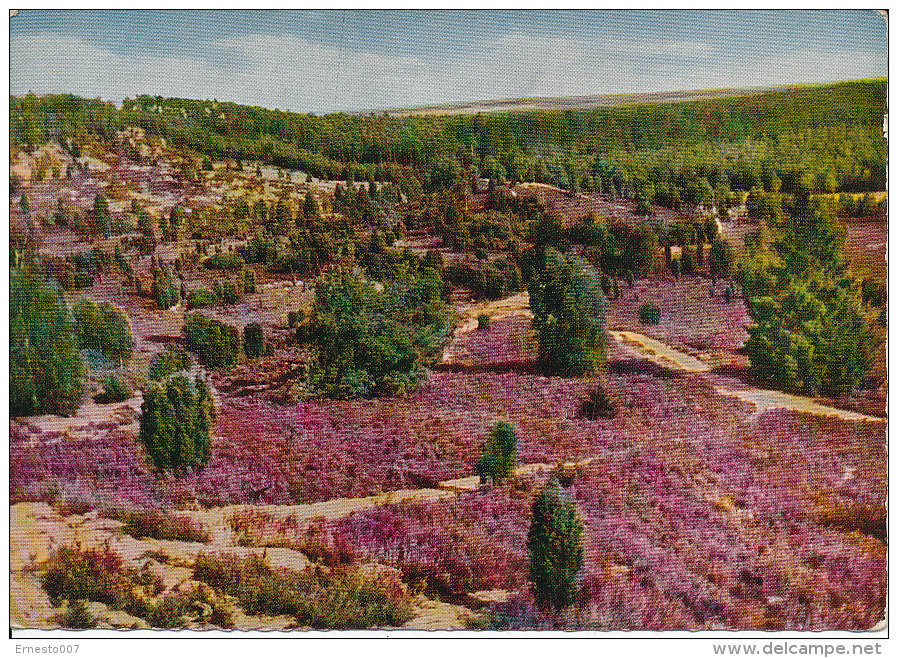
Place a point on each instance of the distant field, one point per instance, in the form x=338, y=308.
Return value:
x=571, y=102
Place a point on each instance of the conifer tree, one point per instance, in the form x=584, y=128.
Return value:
x=176, y=424
x=556, y=550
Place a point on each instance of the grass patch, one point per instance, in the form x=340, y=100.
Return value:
x=155, y=524
x=336, y=600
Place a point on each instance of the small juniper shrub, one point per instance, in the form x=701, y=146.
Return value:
x=649, y=313
x=335, y=599
x=598, y=405
x=483, y=322
x=174, y=359
x=156, y=524
x=499, y=454
x=227, y=261
x=114, y=391
x=98, y=576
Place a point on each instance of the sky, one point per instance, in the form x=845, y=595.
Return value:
x=330, y=61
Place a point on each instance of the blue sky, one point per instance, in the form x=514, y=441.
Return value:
x=325, y=61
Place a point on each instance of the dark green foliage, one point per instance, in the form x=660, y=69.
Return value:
x=103, y=328
x=568, y=315
x=225, y=291
x=499, y=454
x=883, y=318
x=606, y=286
x=303, y=261
x=77, y=616
x=720, y=258
x=483, y=322
x=872, y=293
x=598, y=405
x=46, y=373
x=556, y=551
x=433, y=259
x=173, y=359
x=215, y=343
x=316, y=599
x=295, y=318
x=253, y=340
x=370, y=343
x=686, y=263
x=200, y=298
x=176, y=220
x=164, y=290
x=485, y=281
x=259, y=251
x=90, y=576
x=622, y=248
x=176, y=423
x=248, y=281
x=810, y=237
x=157, y=524
x=99, y=217
x=114, y=391
x=225, y=261
x=810, y=336
x=147, y=242
x=649, y=313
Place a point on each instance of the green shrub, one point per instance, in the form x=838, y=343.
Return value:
x=94, y=576
x=156, y=524
x=872, y=293
x=883, y=318
x=176, y=424
x=46, y=372
x=720, y=258
x=248, y=281
x=649, y=313
x=225, y=291
x=598, y=405
x=295, y=318
x=296, y=262
x=253, y=340
x=214, y=343
x=568, y=315
x=200, y=298
x=499, y=454
x=483, y=322
x=225, y=261
x=259, y=251
x=370, y=343
x=164, y=290
x=320, y=600
x=77, y=615
x=174, y=359
x=556, y=549
x=103, y=328
x=114, y=391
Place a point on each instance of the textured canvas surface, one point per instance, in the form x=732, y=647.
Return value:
x=465, y=321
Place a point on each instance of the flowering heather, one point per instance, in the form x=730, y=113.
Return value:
x=699, y=513
x=691, y=320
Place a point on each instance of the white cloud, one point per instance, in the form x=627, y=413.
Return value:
x=287, y=72
x=49, y=62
